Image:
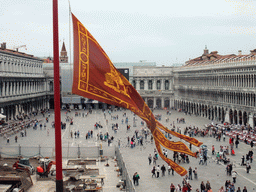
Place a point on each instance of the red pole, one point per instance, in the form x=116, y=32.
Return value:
x=58, y=146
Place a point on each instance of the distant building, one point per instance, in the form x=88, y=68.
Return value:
x=218, y=87
x=63, y=54
x=23, y=87
x=155, y=85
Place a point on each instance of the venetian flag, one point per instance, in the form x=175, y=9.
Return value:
x=95, y=77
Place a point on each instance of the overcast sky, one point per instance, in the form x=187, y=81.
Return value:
x=162, y=31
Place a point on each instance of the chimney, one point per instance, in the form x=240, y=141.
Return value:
x=3, y=45
x=239, y=52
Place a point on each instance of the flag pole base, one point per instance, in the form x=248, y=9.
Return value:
x=59, y=185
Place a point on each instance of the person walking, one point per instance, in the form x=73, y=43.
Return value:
x=195, y=173
x=221, y=189
x=178, y=188
x=163, y=169
x=137, y=178
x=202, y=187
x=16, y=139
x=205, y=159
x=242, y=164
x=134, y=178
x=213, y=149
x=190, y=173
x=252, y=144
x=153, y=171
x=207, y=185
x=234, y=174
x=248, y=167
x=169, y=168
x=172, y=188
x=201, y=159
x=149, y=159
x=157, y=171
x=237, y=142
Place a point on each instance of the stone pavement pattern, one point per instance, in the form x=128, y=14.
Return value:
x=136, y=159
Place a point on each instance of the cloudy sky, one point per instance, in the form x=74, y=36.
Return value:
x=162, y=31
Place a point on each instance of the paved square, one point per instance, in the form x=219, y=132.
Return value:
x=136, y=159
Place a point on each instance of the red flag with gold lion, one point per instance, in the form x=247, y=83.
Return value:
x=95, y=77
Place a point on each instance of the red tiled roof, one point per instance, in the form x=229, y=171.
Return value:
x=214, y=58
x=17, y=53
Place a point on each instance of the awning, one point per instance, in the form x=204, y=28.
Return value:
x=2, y=116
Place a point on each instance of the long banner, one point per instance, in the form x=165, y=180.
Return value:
x=95, y=77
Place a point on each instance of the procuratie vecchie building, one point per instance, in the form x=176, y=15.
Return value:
x=218, y=87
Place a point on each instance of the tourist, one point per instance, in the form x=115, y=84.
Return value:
x=172, y=188
x=137, y=178
x=169, y=169
x=195, y=173
x=190, y=173
x=234, y=174
x=163, y=169
x=221, y=189
x=157, y=171
x=134, y=178
x=153, y=171
x=248, y=167
x=242, y=164
x=207, y=185
x=202, y=187
x=149, y=159
x=178, y=188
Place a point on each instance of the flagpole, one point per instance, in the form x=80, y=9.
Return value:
x=58, y=146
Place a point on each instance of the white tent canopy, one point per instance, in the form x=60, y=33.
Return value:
x=2, y=116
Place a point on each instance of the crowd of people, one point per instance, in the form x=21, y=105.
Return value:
x=138, y=137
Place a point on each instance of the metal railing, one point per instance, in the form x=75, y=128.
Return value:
x=67, y=151
x=129, y=186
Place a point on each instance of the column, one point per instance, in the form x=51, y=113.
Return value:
x=154, y=106
x=137, y=84
x=11, y=88
x=14, y=88
x=7, y=89
x=162, y=102
x=171, y=84
x=250, y=119
x=146, y=84
x=154, y=84
x=4, y=84
x=162, y=84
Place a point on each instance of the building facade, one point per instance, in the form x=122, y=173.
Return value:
x=155, y=85
x=218, y=87
x=23, y=87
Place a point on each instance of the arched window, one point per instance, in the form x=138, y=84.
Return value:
x=166, y=85
x=142, y=85
x=150, y=85
x=158, y=85
x=51, y=86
